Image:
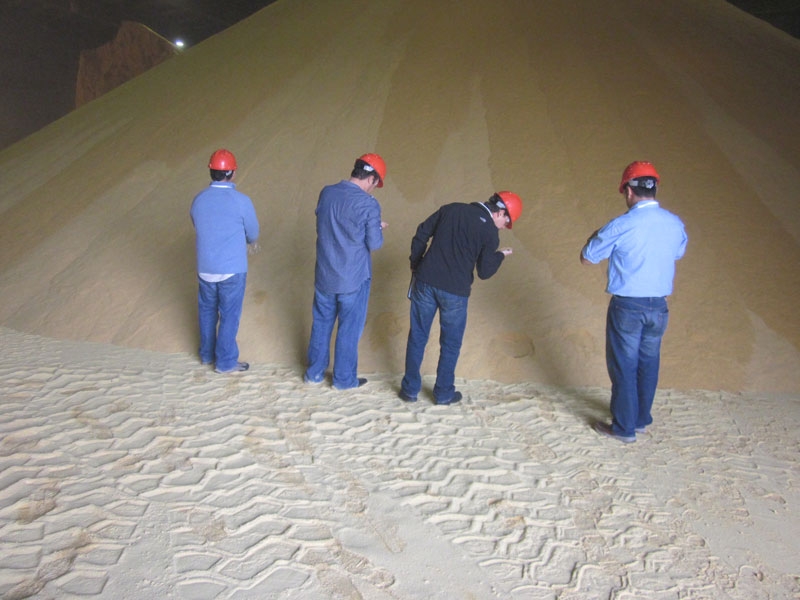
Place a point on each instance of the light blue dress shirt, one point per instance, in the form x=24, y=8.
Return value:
x=641, y=246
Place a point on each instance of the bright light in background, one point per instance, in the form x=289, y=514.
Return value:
x=179, y=43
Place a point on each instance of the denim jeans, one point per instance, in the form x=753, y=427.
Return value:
x=425, y=301
x=219, y=310
x=351, y=312
x=634, y=328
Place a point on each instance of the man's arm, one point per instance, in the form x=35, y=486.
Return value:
x=251, y=226
x=490, y=258
x=419, y=242
x=489, y=263
x=584, y=260
x=374, y=228
x=682, y=246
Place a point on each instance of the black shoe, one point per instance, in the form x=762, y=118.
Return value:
x=455, y=398
x=406, y=398
x=360, y=381
x=240, y=366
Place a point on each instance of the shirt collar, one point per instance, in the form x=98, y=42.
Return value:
x=223, y=184
x=644, y=204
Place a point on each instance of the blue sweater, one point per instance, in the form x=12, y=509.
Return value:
x=225, y=222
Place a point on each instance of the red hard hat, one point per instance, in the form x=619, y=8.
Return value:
x=513, y=205
x=639, y=168
x=222, y=160
x=376, y=162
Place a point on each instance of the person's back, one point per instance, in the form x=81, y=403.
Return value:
x=647, y=241
x=462, y=238
x=223, y=218
x=348, y=230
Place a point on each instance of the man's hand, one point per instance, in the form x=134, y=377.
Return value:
x=384, y=224
x=506, y=251
x=253, y=248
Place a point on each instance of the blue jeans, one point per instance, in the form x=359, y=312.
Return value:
x=425, y=301
x=219, y=310
x=634, y=328
x=351, y=311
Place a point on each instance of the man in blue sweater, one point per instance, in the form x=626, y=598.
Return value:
x=349, y=229
x=641, y=246
x=225, y=223
x=463, y=238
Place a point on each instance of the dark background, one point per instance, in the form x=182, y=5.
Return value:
x=42, y=39
x=783, y=14
x=41, y=42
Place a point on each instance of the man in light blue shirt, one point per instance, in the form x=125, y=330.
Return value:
x=349, y=229
x=641, y=246
x=225, y=223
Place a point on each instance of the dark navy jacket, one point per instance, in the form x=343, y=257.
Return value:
x=463, y=238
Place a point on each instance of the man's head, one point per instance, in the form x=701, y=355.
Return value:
x=640, y=178
x=370, y=166
x=222, y=165
x=506, y=207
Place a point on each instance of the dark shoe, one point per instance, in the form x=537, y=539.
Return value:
x=455, y=398
x=241, y=366
x=406, y=398
x=361, y=381
x=605, y=429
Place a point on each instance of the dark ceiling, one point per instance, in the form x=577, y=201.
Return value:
x=783, y=14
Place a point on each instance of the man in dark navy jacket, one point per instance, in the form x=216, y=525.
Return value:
x=463, y=239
